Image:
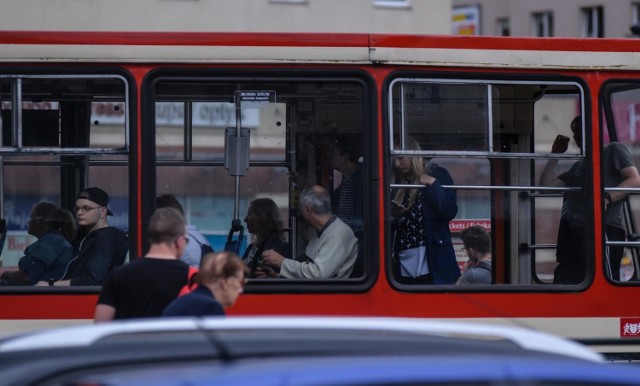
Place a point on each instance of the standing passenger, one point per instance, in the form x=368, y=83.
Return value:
x=618, y=171
x=422, y=240
x=348, y=199
x=221, y=280
x=199, y=243
x=144, y=287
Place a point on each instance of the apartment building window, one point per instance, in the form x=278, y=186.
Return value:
x=503, y=27
x=392, y=3
x=542, y=24
x=593, y=22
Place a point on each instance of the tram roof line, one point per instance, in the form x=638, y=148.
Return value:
x=427, y=50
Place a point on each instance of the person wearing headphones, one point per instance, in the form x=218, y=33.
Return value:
x=101, y=249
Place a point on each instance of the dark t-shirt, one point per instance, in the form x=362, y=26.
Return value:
x=144, y=287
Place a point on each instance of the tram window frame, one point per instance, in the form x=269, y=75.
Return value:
x=72, y=105
x=613, y=130
x=259, y=76
x=530, y=282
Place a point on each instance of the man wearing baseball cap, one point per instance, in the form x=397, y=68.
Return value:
x=101, y=249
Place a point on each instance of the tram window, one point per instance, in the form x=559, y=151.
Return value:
x=290, y=134
x=621, y=112
x=60, y=133
x=494, y=139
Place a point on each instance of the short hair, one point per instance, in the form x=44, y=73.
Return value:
x=345, y=144
x=317, y=198
x=576, y=124
x=166, y=225
x=476, y=237
x=169, y=201
x=221, y=265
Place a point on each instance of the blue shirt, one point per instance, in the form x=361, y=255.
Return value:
x=200, y=302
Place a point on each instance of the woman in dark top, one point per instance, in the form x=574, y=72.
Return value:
x=422, y=243
x=48, y=257
x=263, y=221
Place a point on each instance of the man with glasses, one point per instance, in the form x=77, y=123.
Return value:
x=144, y=287
x=99, y=248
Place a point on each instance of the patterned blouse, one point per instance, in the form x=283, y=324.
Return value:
x=409, y=229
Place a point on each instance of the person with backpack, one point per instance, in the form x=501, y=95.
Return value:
x=477, y=243
x=199, y=245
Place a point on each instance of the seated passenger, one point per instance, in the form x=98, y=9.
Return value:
x=477, y=243
x=263, y=221
x=198, y=243
x=220, y=280
x=332, y=249
x=101, y=249
x=48, y=257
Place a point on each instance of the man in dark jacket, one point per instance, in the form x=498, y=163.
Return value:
x=101, y=249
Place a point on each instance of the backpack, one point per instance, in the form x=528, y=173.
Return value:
x=204, y=248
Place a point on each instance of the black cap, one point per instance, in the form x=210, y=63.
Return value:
x=96, y=195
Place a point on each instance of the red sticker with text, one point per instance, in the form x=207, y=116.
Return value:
x=630, y=327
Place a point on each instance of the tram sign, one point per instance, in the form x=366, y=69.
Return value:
x=256, y=98
x=630, y=327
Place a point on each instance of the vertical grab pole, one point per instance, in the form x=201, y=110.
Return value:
x=235, y=224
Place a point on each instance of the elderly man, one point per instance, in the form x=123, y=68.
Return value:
x=332, y=249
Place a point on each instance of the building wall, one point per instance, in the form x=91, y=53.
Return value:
x=420, y=16
x=566, y=13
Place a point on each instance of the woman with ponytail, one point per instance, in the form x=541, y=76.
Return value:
x=48, y=257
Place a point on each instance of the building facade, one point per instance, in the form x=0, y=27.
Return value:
x=367, y=16
x=566, y=18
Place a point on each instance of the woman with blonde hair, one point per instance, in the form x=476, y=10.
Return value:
x=221, y=280
x=423, y=249
x=48, y=257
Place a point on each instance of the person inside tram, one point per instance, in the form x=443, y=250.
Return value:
x=199, y=244
x=221, y=280
x=347, y=200
x=477, y=244
x=47, y=258
x=264, y=223
x=618, y=171
x=423, y=250
x=100, y=248
x=332, y=248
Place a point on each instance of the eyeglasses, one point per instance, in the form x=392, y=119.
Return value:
x=84, y=209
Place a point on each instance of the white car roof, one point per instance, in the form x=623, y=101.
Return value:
x=87, y=335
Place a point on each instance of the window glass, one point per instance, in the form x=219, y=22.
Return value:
x=60, y=134
x=472, y=154
x=289, y=131
x=621, y=118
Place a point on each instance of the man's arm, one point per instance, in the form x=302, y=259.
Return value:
x=104, y=313
x=630, y=179
x=549, y=176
